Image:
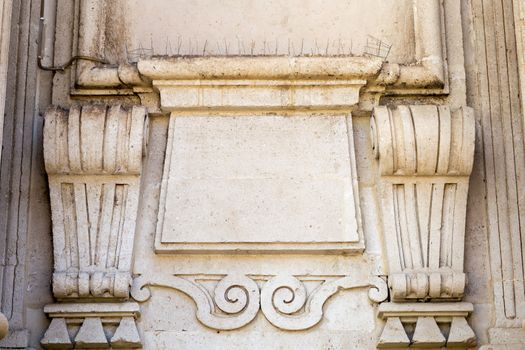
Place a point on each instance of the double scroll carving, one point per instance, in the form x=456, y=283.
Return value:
x=93, y=157
x=425, y=157
x=236, y=301
x=283, y=298
x=236, y=296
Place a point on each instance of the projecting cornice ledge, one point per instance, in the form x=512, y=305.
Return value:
x=259, y=83
x=262, y=67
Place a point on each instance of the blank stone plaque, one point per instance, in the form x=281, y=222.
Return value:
x=259, y=183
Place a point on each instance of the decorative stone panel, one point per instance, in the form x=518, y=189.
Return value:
x=237, y=299
x=260, y=154
x=259, y=162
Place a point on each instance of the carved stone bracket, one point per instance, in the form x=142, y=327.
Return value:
x=100, y=325
x=425, y=157
x=283, y=299
x=93, y=157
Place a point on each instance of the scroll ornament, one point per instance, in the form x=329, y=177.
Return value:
x=283, y=300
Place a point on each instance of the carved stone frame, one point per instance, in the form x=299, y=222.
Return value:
x=429, y=74
x=163, y=81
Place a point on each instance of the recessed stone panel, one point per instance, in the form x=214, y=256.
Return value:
x=259, y=182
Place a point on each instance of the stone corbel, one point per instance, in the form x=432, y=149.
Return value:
x=93, y=158
x=425, y=158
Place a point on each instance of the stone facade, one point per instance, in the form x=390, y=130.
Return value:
x=269, y=175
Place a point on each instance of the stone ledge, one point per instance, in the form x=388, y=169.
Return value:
x=75, y=310
x=260, y=67
x=411, y=311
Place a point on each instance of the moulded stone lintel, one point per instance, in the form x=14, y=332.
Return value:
x=259, y=83
x=255, y=95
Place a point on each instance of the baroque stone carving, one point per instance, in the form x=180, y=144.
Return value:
x=282, y=299
x=237, y=296
x=425, y=158
x=93, y=157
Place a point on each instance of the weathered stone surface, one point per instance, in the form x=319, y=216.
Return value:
x=393, y=335
x=259, y=179
x=427, y=333
x=91, y=335
x=57, y=336
x=460, y=334
x=262, y=111
x=126, y=335
x=401, y=317
x=91, y=321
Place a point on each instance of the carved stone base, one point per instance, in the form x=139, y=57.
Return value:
x=426, y=325
x=92, y=325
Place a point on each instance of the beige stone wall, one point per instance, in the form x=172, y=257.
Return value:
x=25, y=230
x=281, y=182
